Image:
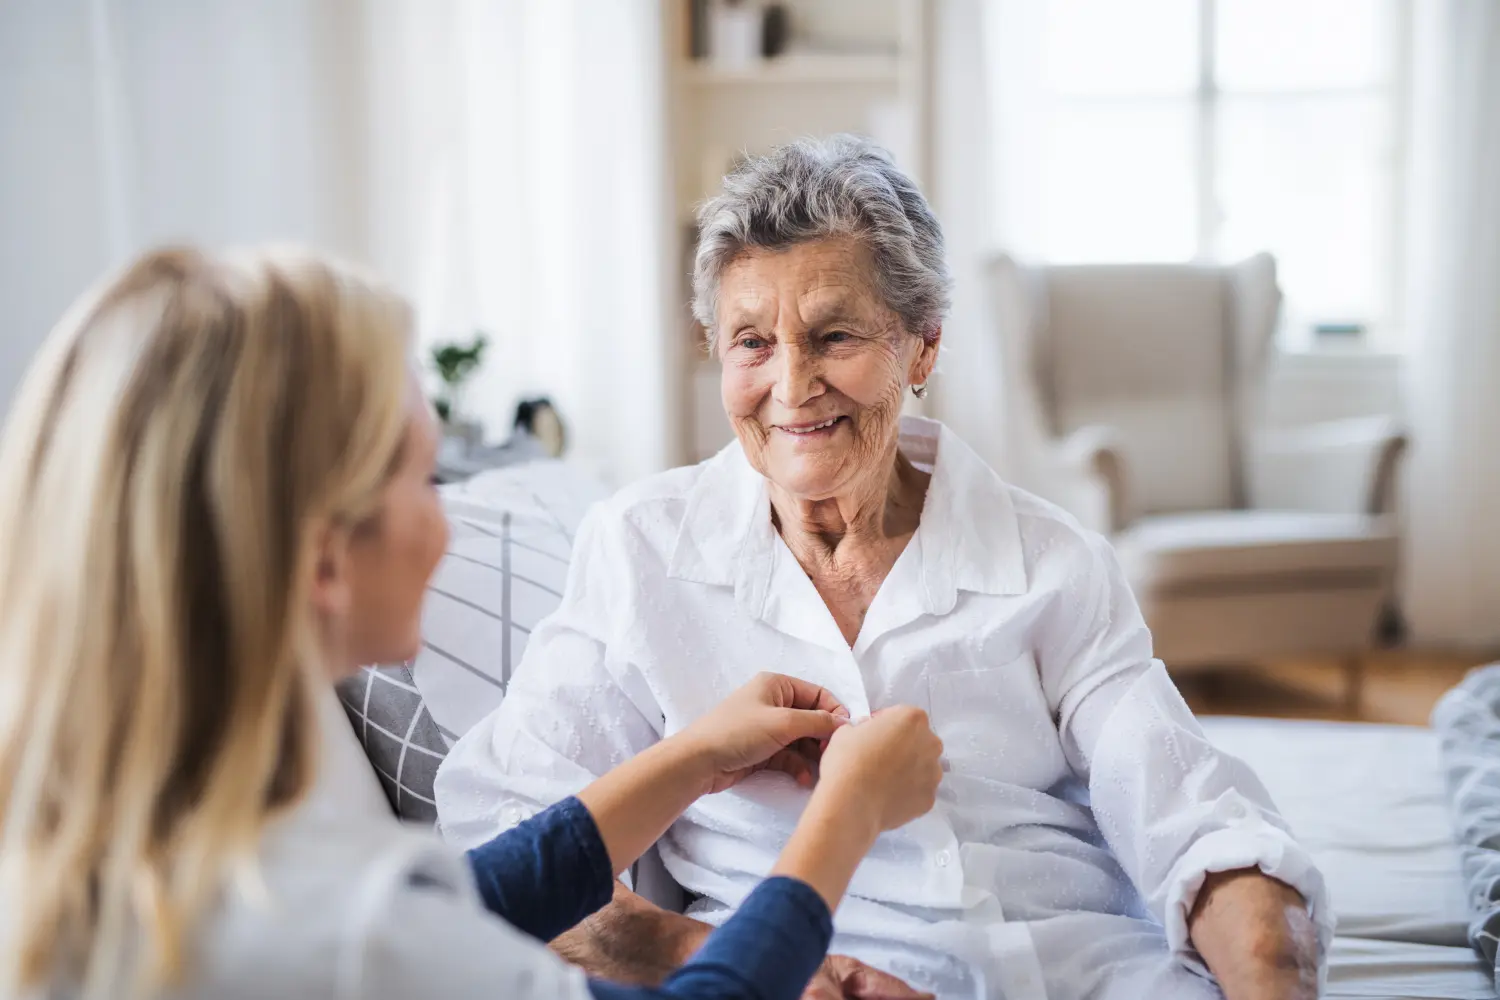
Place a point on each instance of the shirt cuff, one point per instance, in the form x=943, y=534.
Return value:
x=598, y=871
x=1250, y=843
x=548, y=873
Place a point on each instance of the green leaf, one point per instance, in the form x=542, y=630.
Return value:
x=456, y=362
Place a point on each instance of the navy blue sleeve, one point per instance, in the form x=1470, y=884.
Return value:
x=547, y=874
x=768, y=950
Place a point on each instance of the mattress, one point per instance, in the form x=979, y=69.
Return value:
x=1367, y=801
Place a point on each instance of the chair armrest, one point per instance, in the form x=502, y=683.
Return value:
x=1094, y=451
x=1341, y=466
x=1084, y=474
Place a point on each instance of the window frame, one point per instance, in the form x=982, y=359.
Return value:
x=1384, y=329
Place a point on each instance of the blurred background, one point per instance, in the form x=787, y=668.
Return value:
x=526, y=170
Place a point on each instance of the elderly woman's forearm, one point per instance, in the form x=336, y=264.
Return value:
x=1256, y=936
x=632, y=940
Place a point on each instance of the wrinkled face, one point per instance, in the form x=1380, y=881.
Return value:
x=372, y=581
x=815, y=364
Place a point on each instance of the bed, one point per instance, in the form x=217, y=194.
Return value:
x=1367, y=800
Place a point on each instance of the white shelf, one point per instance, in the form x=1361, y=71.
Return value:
x=801, y=68
x=859, y=66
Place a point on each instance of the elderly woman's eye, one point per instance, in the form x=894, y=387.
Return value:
x=836, y=337
x=752, y=343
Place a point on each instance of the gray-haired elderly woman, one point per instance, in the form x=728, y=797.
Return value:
x=1088, y=841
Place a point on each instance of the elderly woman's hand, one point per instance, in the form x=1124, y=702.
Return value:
x=1256, y=936
x=774, y=723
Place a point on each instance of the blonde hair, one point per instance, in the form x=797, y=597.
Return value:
x=186, y=434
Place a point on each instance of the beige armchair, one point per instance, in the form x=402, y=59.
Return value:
x=1139, y=387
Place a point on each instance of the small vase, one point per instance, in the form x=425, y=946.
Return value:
x=735, y=34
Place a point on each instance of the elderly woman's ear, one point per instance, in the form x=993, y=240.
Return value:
x=925, y=363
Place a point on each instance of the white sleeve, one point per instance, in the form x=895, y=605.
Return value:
x=571, y=713
x=1171, y=806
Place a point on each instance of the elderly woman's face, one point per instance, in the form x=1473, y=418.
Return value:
x=815, y=364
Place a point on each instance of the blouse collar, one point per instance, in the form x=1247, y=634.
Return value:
x=968, y=538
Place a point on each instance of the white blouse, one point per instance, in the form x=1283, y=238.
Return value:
x=1083, y=805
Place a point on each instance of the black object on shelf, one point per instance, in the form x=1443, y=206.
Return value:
x=698, y=29
x=539, y=420
x=776, y=30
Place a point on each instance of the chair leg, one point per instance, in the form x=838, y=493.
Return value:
x=1354, y=684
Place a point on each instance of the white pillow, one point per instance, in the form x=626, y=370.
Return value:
x=504, y=572
x=507, y=561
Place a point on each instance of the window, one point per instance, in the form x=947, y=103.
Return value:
x=1212, y=129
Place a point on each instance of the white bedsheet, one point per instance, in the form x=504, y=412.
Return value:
x=1386, y=970
x=1367, y=802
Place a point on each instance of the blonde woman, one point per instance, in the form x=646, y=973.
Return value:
x=215, y=494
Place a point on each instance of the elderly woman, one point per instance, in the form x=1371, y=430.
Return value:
x=215, y=496
x=1088, y=841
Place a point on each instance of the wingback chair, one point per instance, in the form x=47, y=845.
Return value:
x=1144, y=383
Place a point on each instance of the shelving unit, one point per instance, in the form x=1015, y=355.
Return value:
x=854, y=66
x=800, y=68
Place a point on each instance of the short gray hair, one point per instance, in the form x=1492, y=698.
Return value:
x=815, y=189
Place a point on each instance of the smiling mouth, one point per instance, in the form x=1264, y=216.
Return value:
x=807, y=430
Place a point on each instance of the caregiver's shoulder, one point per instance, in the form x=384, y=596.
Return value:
x=370, y=911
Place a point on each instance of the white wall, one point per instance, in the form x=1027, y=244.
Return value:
x=236, y=122
x=126, y=125
x=231, y=131
x=53, y=238
x=363, y=127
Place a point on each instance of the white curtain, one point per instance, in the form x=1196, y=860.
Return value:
x=518, y=186
x=974, y=393
x=984, y=123
x=965, y=388
x=1453, y=559
x=502, y=161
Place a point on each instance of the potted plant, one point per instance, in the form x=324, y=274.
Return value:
x=455, y=362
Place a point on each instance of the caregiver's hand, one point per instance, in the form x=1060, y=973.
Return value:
x=886, y=768
x=774, y=722
x=876, y=775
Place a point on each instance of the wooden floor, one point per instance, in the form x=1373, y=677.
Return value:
x=1399, y=686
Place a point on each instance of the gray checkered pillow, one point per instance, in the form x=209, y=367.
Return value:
x=399, y=737
x=507, y=562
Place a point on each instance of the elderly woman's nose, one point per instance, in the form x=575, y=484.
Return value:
x=799, y=376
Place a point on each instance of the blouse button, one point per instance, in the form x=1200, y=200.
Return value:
x=942, y=859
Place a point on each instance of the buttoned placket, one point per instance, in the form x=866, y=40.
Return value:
x=728, y=538
x=792, y=605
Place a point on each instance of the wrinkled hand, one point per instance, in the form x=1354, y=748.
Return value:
x=845, y=978
x=774, y=722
